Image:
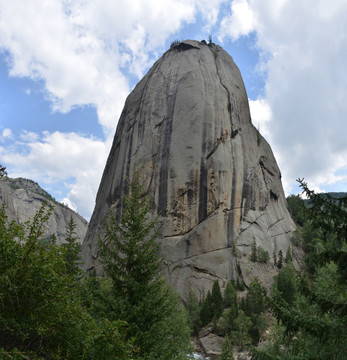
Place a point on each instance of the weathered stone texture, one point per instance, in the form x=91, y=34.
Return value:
x=214, y=180
x=23, y=198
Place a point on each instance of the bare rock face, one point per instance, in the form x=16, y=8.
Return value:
x=214, y=180
x=23, y=198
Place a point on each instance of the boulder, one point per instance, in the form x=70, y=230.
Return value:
x=212, y=344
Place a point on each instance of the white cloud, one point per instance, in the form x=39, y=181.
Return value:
x=6, y=133
x=82, y=51
x=56, y=158
x=74, y=47
x=261, y=115
x=242, y=21
x=29, y=136
x=304, y=58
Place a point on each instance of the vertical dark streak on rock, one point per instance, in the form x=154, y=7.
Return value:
x=203, y=179
x=244, y=209
x=187, y=241
x=142, y=109
x=229, y=97
x=203, y=192
x=127, y=163
x=230, y=225
x=165, y=153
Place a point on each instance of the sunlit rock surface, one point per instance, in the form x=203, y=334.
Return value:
x=23, y=198
x=213, y=178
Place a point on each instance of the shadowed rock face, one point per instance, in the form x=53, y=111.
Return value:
x=214, y=180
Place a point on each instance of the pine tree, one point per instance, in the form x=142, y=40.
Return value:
x=254, y=251
x=3, y=171
x=73, y=249
x=240, y=336
x=280, y=260
x=41, y=315
x=255, y=299
x=254, y=307
x=289, y=258
x=206, y=312
x=230, y=298
x=139, y=295
x=227, y=350
x=274, y=255
x=286, y=284
x=193, y=310
x=216, y=300
x=240, y=285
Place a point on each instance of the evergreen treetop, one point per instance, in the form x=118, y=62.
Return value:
x=137, y=292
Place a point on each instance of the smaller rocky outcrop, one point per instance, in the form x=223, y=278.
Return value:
x=23, y=198
x=211, y=344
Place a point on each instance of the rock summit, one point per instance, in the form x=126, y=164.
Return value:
x=213, y=178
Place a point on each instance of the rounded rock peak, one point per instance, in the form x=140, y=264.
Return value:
x=212, y=178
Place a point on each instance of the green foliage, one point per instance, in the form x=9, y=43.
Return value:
x=72, y=250
x=137, y=294
x=230, y=303
x=314, y=321
x=329, y=216
x=286, y=284
x=206, y=312
x=227, y=321
x=128, y=249
x=240, y=286
x=227, y=350
x=258, y=253
x=254, y=306
x=230, y=297
x=240, y=336
x=212, y=306
x=297, y=209
x=216, y=300
x=3, y=171
x=175, y=43
x=193, y=310
x=280, y=259
x=107, y=341
x=262, y=255
x=289, y=257
x=254, y=251
x=41, y=314
x=255, y=302
x=274, y=256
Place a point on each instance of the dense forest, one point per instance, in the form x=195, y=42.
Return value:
x=49, y=309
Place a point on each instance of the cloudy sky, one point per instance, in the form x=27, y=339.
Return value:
x=66, y=67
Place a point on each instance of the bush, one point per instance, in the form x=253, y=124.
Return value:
x=262, y=255
x=42, y=315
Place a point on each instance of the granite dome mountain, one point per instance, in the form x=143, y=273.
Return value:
x=213, y=178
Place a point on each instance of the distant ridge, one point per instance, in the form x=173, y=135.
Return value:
x=24, y=197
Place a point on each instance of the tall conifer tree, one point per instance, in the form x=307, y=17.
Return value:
x=139, y=295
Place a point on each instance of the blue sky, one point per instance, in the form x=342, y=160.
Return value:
x=66, y=68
